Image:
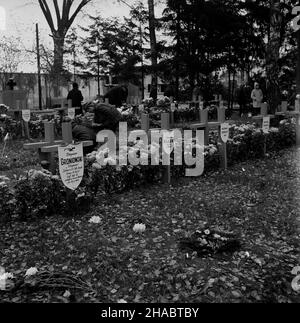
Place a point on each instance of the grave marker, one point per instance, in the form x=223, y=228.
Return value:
x=71, y=113
x=224, y=136
x=145, y=122
x=284, y=106
x=221, y=115
x=264, y=109
x=71, y=165
x=266, y=125
x=168, y=142
x=225, y=132
x=26, y=115
x=297, y=105
x=165, y=125
x=141, y=108
x=265, y=128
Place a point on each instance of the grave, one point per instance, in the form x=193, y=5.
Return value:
x=206, y=126
x=263, y=114
x=64, y=107
x=295, y=113
x=49, y=146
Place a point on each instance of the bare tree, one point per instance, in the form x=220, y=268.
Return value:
x=10, y=54
x=64, y=20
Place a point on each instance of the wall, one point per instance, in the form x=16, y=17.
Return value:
x=88, y=86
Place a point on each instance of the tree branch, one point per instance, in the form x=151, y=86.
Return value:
x=47, y=13
x=57, y=12
x=80, y=6
x=66, y=9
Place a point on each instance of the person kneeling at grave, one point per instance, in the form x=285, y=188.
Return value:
x=85, y=132
x=106, y=117
x=98, y=116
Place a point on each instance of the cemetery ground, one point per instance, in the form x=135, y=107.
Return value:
x=109, y=262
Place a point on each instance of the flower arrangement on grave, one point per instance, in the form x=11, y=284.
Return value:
x=3, y=110
x=108, y=175
x=126, y=109
x=148, y=104
x=35, y=279
x=128, y=116
x=207, y=241
x=156, y=108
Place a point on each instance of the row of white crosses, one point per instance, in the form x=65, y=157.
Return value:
x=65, y=109
x=167, y=123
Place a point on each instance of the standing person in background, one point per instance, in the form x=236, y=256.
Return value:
x=117, y=96
x=11, y=84
x=76, y=96
x=153, y=93
x=196, y=92
x=170, y=90
x=257, y=98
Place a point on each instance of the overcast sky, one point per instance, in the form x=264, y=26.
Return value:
x=21, y=16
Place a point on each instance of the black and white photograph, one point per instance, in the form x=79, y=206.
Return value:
x=149, y=155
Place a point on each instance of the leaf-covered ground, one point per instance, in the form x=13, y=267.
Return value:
x=257, y=200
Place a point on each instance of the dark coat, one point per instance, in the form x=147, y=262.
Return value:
x=84, y=133
x=76, y=97
x=107, y=115
x=117, y=95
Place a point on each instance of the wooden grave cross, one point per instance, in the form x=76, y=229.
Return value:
x=260, y=121
x=48, y=140
x=295, y=113
x=47, y=148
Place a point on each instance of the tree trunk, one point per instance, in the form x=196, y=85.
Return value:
x=298, y=63
x=229, y=87
x=64, y=22
x=273, y=48
x=232, y=89
x=58, y=62
x=153, y=46
x=177, y=55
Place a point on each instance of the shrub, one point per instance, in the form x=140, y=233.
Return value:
x=7, y=201
x=39, y=194
x=15, y=157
